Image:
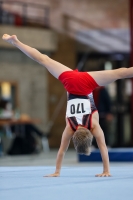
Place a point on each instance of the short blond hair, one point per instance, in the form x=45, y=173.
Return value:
x=82, y=140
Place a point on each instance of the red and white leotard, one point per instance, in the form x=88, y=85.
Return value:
x=80, y=83
x=79, y=110
x=80, y=104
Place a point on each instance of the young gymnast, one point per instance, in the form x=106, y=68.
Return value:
x=81, y=122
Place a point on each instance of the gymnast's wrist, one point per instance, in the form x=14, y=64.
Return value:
x=106, y=171
x=57, y=172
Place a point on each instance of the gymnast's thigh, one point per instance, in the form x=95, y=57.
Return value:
x=55, y=68
x=103, y=78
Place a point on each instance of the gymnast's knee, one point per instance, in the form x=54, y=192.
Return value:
x=121, y=72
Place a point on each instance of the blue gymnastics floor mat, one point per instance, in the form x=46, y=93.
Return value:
x=24, y=183
x=115, y=155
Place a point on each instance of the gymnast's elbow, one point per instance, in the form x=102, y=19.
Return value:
x=62, y=152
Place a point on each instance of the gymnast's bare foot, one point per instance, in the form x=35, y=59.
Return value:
x=10, y=39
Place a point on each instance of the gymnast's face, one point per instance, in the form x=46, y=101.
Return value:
x=87, y=152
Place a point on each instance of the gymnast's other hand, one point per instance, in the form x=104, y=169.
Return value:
x=56, y=174
x=10, y=39
x=104, y=174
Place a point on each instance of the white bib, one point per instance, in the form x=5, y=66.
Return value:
x=76, y=107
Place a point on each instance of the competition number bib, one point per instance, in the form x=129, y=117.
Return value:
x=76, y=107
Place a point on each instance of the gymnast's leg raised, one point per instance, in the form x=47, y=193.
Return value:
x=77, y=83
x=56, y=68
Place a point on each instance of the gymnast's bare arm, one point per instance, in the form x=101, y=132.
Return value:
x=66, y=137
x=104, y=153
x=98, y=134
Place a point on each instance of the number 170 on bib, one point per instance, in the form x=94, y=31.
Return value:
x=77, y=107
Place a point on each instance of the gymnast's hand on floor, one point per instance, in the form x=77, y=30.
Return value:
x=104, y=174
x=53, y=175
x=10, y=39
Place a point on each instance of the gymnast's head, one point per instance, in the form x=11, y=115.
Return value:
x=82, y=140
